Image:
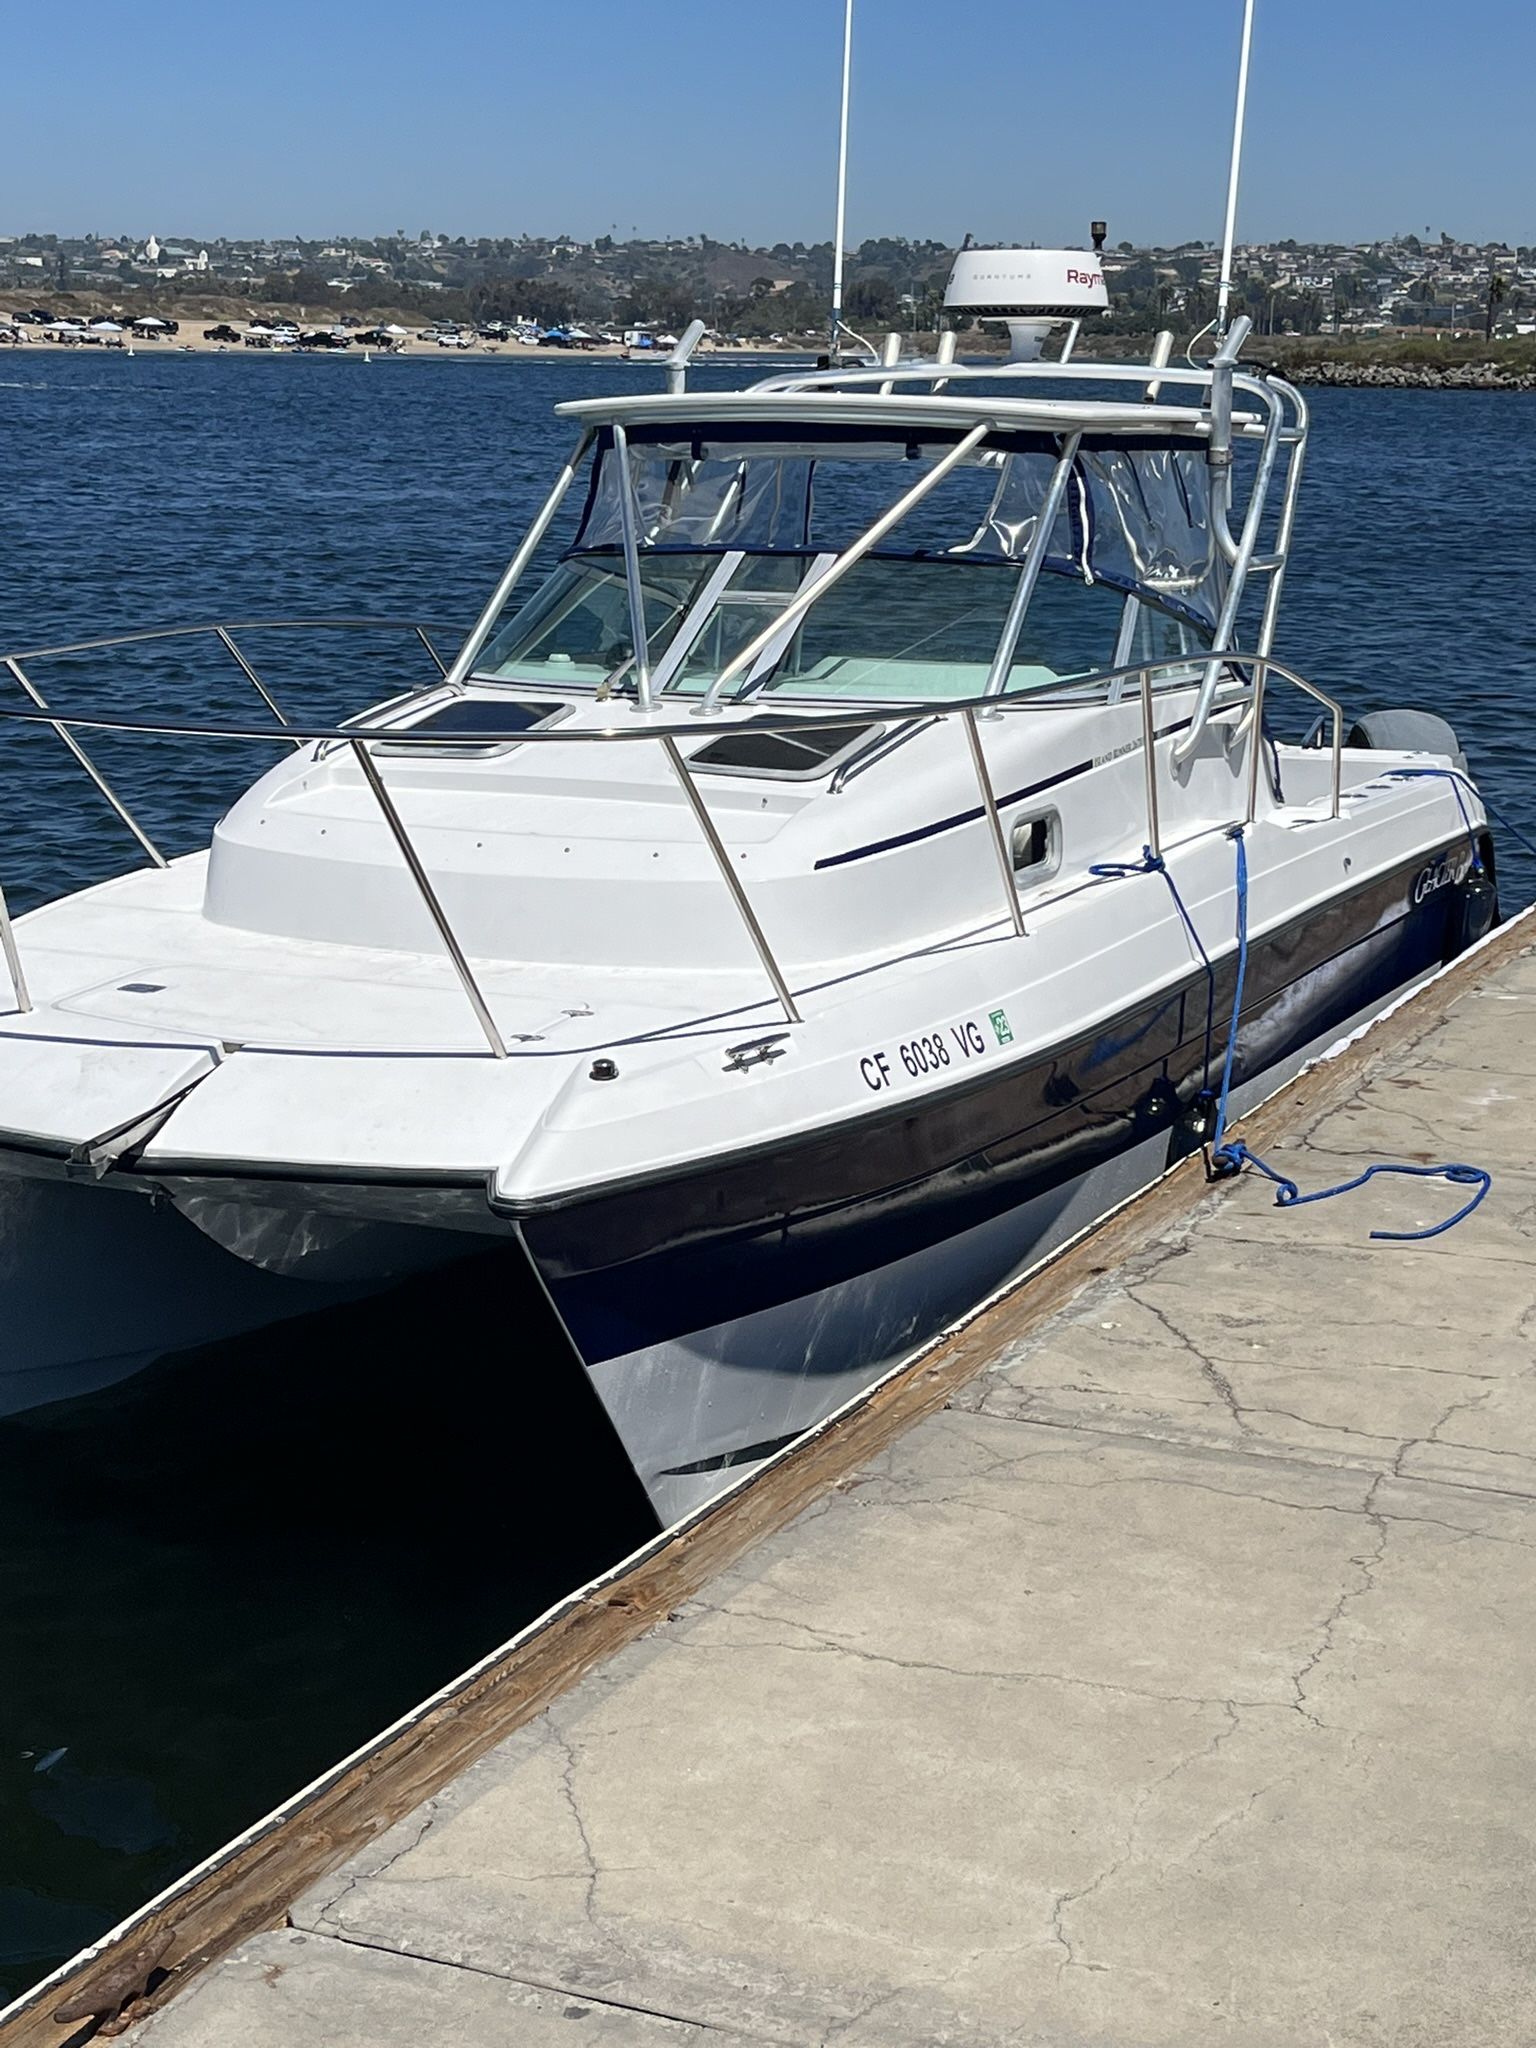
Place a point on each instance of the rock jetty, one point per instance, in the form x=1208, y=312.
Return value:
x=1413, y=376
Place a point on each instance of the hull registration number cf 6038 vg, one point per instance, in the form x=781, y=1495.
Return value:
x=931, y=1052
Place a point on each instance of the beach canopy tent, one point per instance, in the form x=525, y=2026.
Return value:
x=392, y=328
x=106, y=327
x=149, y=320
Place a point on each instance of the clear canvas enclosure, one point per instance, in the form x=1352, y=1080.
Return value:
x=729, y=522
x=1134, y=516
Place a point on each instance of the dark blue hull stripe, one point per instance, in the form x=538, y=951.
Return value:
x=974, y=815
x=654, y=1260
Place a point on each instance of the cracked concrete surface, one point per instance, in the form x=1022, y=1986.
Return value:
x=1170, y=1689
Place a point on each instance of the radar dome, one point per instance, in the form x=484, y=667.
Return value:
x=1028, y=289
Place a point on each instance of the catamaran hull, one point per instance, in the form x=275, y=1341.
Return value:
x=697, y=1410
x=715, y=1345
x=722, y=1312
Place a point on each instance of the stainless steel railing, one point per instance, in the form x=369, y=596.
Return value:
x=1247, y=676
x=223, y=636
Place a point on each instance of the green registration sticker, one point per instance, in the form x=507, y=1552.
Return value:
x=1002, y=1029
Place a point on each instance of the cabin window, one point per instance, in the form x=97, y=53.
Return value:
x=751, y=599
x=1159, y=636
x=730, y=523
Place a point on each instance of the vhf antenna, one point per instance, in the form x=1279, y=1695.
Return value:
x=842, y=187
x=1224, y=288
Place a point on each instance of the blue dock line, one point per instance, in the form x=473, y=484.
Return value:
x=1289, y=1196
x=1458, y=783
x=1153, y=864
x=1225, y=1159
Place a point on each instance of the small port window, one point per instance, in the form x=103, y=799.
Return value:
x=1035, y=845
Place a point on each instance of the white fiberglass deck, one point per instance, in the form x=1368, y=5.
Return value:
x=370, y=1059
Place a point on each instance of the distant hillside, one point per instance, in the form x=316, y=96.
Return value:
x=1287, y=288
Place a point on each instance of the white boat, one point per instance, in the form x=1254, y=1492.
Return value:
x=751, y=933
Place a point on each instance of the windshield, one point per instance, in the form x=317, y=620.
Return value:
x=728, y=527
x=892, y=628
x=576, y=627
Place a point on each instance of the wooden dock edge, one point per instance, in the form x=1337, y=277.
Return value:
x=249, y=1884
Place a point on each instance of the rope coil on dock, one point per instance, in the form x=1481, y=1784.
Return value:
x=1224, y=1158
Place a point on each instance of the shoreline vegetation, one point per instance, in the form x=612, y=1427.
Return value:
x=1385, y=362
x=1465, y=363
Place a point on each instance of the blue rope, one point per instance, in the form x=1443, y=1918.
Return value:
x=1237, y=995
x=1153, y=864
x=1225, y=1160
x=1289, y=1195
x=1458, y=783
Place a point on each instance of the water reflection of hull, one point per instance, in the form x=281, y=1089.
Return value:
x=97, y=1282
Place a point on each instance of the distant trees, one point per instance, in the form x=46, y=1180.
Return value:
x=1140, y=276
x=658, y=304
x=302, y=287
x=1497, y=291
x=892, y=282
x=872, y=301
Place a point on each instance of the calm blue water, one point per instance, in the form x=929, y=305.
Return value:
x=213, y=1582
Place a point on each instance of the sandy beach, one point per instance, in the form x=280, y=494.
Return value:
x=189, y=340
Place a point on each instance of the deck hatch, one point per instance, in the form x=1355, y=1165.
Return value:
x=471, y=716
x=798, y=756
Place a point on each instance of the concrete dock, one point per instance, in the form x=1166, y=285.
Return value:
x=1170, y=1684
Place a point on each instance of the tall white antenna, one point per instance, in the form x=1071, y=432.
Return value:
x=842, y=183
x=1224, y=289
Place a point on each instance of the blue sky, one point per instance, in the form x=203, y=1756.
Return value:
x=1014, y=119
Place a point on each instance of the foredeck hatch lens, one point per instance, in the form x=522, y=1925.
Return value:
x=808, y=753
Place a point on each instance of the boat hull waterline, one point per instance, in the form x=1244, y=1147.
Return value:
x=723, y=1311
